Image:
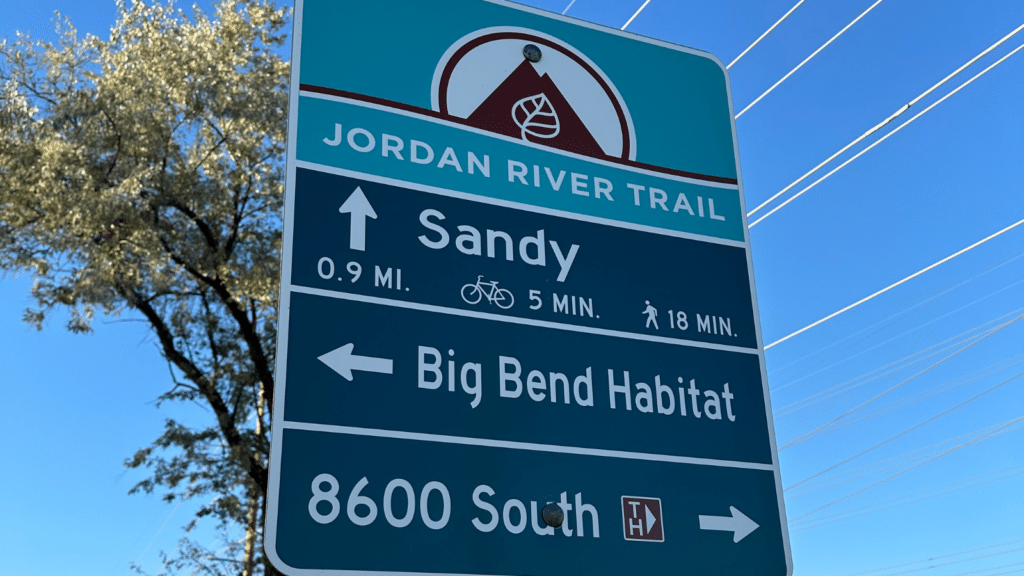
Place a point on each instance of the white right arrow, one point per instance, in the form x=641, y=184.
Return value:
x=343, y=361
x=360, y=208
x=738, y=524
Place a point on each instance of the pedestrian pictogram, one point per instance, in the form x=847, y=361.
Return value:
x=642, y=519
x=652, y=315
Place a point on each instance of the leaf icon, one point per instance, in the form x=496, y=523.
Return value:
x=536, y=117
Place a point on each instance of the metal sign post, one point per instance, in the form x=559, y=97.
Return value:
x=516, y=272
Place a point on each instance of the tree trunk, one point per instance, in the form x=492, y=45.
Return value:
x=256, y=502
x=248, y=557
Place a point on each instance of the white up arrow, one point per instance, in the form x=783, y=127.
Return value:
x=343, y=361
x=360, y=208
x=738, y=524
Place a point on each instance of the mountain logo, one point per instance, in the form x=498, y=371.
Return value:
x=563, y=100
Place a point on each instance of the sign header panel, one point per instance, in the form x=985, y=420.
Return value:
x=516, y=272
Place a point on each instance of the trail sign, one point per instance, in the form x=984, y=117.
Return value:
x=516, y=272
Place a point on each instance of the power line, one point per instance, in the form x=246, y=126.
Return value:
x=895, y=284
x=991, y=568
x=761, y=37
x=907, y=431
x=881, y=394
x=569, y=6
x=893, y=462
x=159, y=531
x=213, y=555
x=894, y=316
x=808, y=59
x=900, y=460
x=933, y=558
x=891, y=117
x=912, y=498
x=989, y=370
x=884, y=138
x=849, y=357
x=900, y=364
x=898, y=474
x=880, y=372
x=637, y=13
x=929, y=567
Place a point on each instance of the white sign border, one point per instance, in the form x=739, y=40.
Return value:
x=284, y=303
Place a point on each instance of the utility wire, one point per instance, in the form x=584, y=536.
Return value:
x=991, y=568
x=842, y=478
x=849, y=357
x=934, y=391
x=808, y=59
x=569, y=6
x=881, y=394
x=907, y=431
x=896, y=366
x=933, y=558
x=898, y=474
x=894, y=462
x=637, y=13
x=868, y=377
x=891, y=117
x=895, y=284
x=884, y=138
x=912, y=498
x=761, y=37
x=213, y=555
x=910, y=457
x=158, y=532
x=990, y=555
x=894, y=316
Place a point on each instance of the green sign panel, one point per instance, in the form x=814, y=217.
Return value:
x=516, y=274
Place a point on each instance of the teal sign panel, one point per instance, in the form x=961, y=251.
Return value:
x=516, y=274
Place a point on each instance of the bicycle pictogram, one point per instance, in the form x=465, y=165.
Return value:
x=474, y=293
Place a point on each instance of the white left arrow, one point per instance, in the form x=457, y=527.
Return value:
x=343, y=361
x=738, y=524
x=359, y=207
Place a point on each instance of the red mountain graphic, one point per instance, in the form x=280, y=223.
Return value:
x=528, y=105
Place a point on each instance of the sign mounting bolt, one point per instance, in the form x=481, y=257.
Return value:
x=552, y=515
x=532, y=52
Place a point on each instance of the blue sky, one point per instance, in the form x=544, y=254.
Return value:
x=76, y=406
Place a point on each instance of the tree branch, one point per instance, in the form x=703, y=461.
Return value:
x=246, y=328
x=225, y=422
x=117, y=152
x=204, y=228
x=236, y=221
